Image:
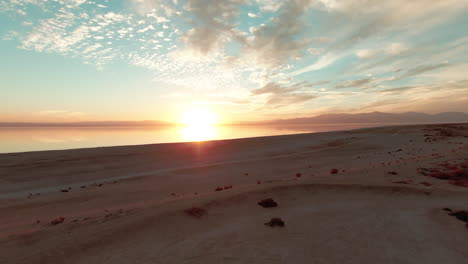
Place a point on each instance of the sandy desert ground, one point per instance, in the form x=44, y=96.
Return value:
x=378, y=195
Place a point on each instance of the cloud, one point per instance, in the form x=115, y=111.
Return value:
x=377, y=20
x=354, y=83
x=270, y=88
x=269, y=5
x=213, y=26
x=397, y=90
x=275, y=43
x=154, y=7
x=281, y=96
x=365, y=53
x=321, y=63
x=60, y=114
x=396, y=48
x=451, y=73
x=288, y=99
x=421, y=69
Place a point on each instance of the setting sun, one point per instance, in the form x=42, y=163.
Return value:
x=198, y=117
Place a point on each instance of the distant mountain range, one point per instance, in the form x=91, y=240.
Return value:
x=373, y=117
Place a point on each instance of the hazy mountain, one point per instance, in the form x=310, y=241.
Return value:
x=376, y=117
x=373, y=117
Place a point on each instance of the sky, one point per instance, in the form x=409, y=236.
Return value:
x=244, y=60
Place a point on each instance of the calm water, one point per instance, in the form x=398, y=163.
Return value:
x=54, y=138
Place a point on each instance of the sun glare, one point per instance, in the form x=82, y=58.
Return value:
x=199, y=124
x=198, y=133
x=198, y=117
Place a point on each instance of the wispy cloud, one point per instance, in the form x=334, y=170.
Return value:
x=269, y=52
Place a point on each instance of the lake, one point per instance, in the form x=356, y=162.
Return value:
x=22, y=139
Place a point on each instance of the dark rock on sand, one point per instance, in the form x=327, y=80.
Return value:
x=460, y=215
x=268, y=203
x=57, y=220
x=275, y=222
x=195, y=212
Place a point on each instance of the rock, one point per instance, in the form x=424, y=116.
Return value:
x=460, y=215
x=64, y=190
x=268, y=203
x=57, y=220
x=392, y=172
x=275, y=222
x=196, y=212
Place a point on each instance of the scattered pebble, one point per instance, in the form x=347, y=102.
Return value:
x=268, y=203
x=275, y=222
x=195, y=212
x=57, y=220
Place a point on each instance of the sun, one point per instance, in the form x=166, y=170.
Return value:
x=199, y=124
x=198, y=117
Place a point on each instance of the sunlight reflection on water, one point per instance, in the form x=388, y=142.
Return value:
x=19, y=139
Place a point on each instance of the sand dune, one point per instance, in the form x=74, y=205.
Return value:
x=127, y=204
